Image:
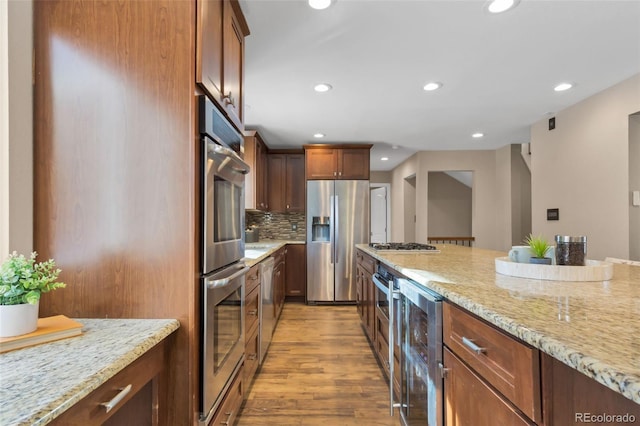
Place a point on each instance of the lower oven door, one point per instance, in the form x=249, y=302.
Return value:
x=222, y=334
x=421, y=398
x=382, y=295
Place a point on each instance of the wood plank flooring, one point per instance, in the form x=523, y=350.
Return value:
x=319, y=370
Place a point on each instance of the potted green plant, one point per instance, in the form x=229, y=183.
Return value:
x=22, y=281
x=539, y=247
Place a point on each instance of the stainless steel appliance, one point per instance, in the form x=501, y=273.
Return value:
x=337, y=219
x=223, y=272
x=421, y=394
x=267, y=308
x=223, y=173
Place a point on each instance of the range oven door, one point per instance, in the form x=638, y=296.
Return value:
x=223, y=205
x=222, y=334
x=421, y=394
x=382, y=295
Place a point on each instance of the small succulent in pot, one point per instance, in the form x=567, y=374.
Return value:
x=539, y=247
x=23, y=280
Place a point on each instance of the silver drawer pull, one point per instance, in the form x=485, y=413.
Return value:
x=253, y=312
x=469, y=343
x=116, y=399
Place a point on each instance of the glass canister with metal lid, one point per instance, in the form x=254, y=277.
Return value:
x=571, y=250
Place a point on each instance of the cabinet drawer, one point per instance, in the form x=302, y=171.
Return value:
x=252, y=278
x=470, y=401
x=251, y=306
x=510, y=366
x=228, y=411
x=251, y=356
x=367, y=262
x=138, y=374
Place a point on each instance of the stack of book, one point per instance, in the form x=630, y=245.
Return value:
x=49, y=329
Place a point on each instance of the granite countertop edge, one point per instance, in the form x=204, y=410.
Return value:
x=44, y=414
x=273, y=246
x=626, y=384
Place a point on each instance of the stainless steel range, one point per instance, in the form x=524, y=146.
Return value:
x=404, y=247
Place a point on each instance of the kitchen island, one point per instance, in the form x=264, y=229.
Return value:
x=41, y=383
x=592, y=327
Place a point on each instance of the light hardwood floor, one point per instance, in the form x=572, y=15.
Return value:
x=319, y=370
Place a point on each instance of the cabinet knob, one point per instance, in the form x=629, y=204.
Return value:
x=335, y=173
x=228, y=100
x=287, y=206
x=339, y=173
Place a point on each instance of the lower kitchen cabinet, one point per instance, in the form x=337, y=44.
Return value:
x=137, y=395
x=231, y=404
x=253, y=294
x=469, y=400
x=365, y=292
x=296, y=271
x=489, y=373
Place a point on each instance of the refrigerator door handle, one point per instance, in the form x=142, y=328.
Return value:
x=336, y=240
x=332, y=228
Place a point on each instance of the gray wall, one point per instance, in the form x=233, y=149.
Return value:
x=449, y=206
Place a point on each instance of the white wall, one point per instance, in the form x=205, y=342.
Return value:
x=4, y=129
x=634, y=185
x=582, y=168
x=16, y=141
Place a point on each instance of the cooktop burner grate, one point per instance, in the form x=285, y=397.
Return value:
x=401, y=246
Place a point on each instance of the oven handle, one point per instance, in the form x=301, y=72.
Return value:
x=377, y=279
x=395, y=294
x=239, y=165
x=221, y=282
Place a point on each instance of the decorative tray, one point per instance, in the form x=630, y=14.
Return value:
x=594, y=270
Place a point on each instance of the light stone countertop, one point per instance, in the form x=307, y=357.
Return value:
x=39, y=383
x=257, y=252
x=593, y=327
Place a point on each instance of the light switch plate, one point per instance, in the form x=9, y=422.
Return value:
x=636, y=198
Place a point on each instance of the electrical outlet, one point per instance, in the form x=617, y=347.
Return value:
x=294, y=226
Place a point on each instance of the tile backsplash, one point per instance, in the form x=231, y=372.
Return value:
x=278, y=226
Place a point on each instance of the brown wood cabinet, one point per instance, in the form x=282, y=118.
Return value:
x=497, y=359
x=231, y=404
x=220, y=32
x=144, y=403
x=325, y=161
x=365, y=268
x=296, y=271
x=569, y=397
x=139, y=246
x=286, y=177
x=469, y=400
x=256, y=183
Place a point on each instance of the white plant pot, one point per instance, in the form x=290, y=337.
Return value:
x=18, y=319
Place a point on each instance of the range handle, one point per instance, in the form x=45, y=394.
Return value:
x=395, y=294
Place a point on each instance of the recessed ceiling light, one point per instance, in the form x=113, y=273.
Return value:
x=434, y=85
x=322, y=87
x=318, y=135
x=477, y=135
x=562, y=87
x=384, y=159
x=319, y=4
x=499, y=6
x=395, y=147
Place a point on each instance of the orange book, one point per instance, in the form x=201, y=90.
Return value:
x=49, y=329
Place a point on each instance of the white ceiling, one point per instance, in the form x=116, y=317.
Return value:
x=498, y=70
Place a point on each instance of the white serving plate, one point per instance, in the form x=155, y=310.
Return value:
x=594, y=270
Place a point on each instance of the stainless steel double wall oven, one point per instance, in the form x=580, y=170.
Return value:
x=223, y=272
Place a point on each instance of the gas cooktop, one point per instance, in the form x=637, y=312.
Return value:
x=404, y=247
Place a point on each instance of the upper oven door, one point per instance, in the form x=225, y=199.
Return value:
x=223, y=205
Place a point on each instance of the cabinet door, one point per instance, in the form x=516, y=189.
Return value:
x=209, y=46
x=321, y=163
x=353, y=163
x=295, y=183
x=470, y=401
x=262, y=176
x=296, y=267
x=233, y=55
x=276, y=165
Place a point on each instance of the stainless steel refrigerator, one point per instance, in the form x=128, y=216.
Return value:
x=337, y=219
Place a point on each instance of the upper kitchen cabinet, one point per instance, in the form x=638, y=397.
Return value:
x=220, y=32
x=286, y=174
x=337, y=161
x=255, y=154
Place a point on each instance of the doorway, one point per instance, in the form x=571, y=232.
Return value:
x=634, y=185
x=380, y=212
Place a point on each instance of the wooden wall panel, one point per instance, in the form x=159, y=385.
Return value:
x=115, y=167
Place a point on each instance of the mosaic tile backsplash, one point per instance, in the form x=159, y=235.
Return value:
x=278, y=226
